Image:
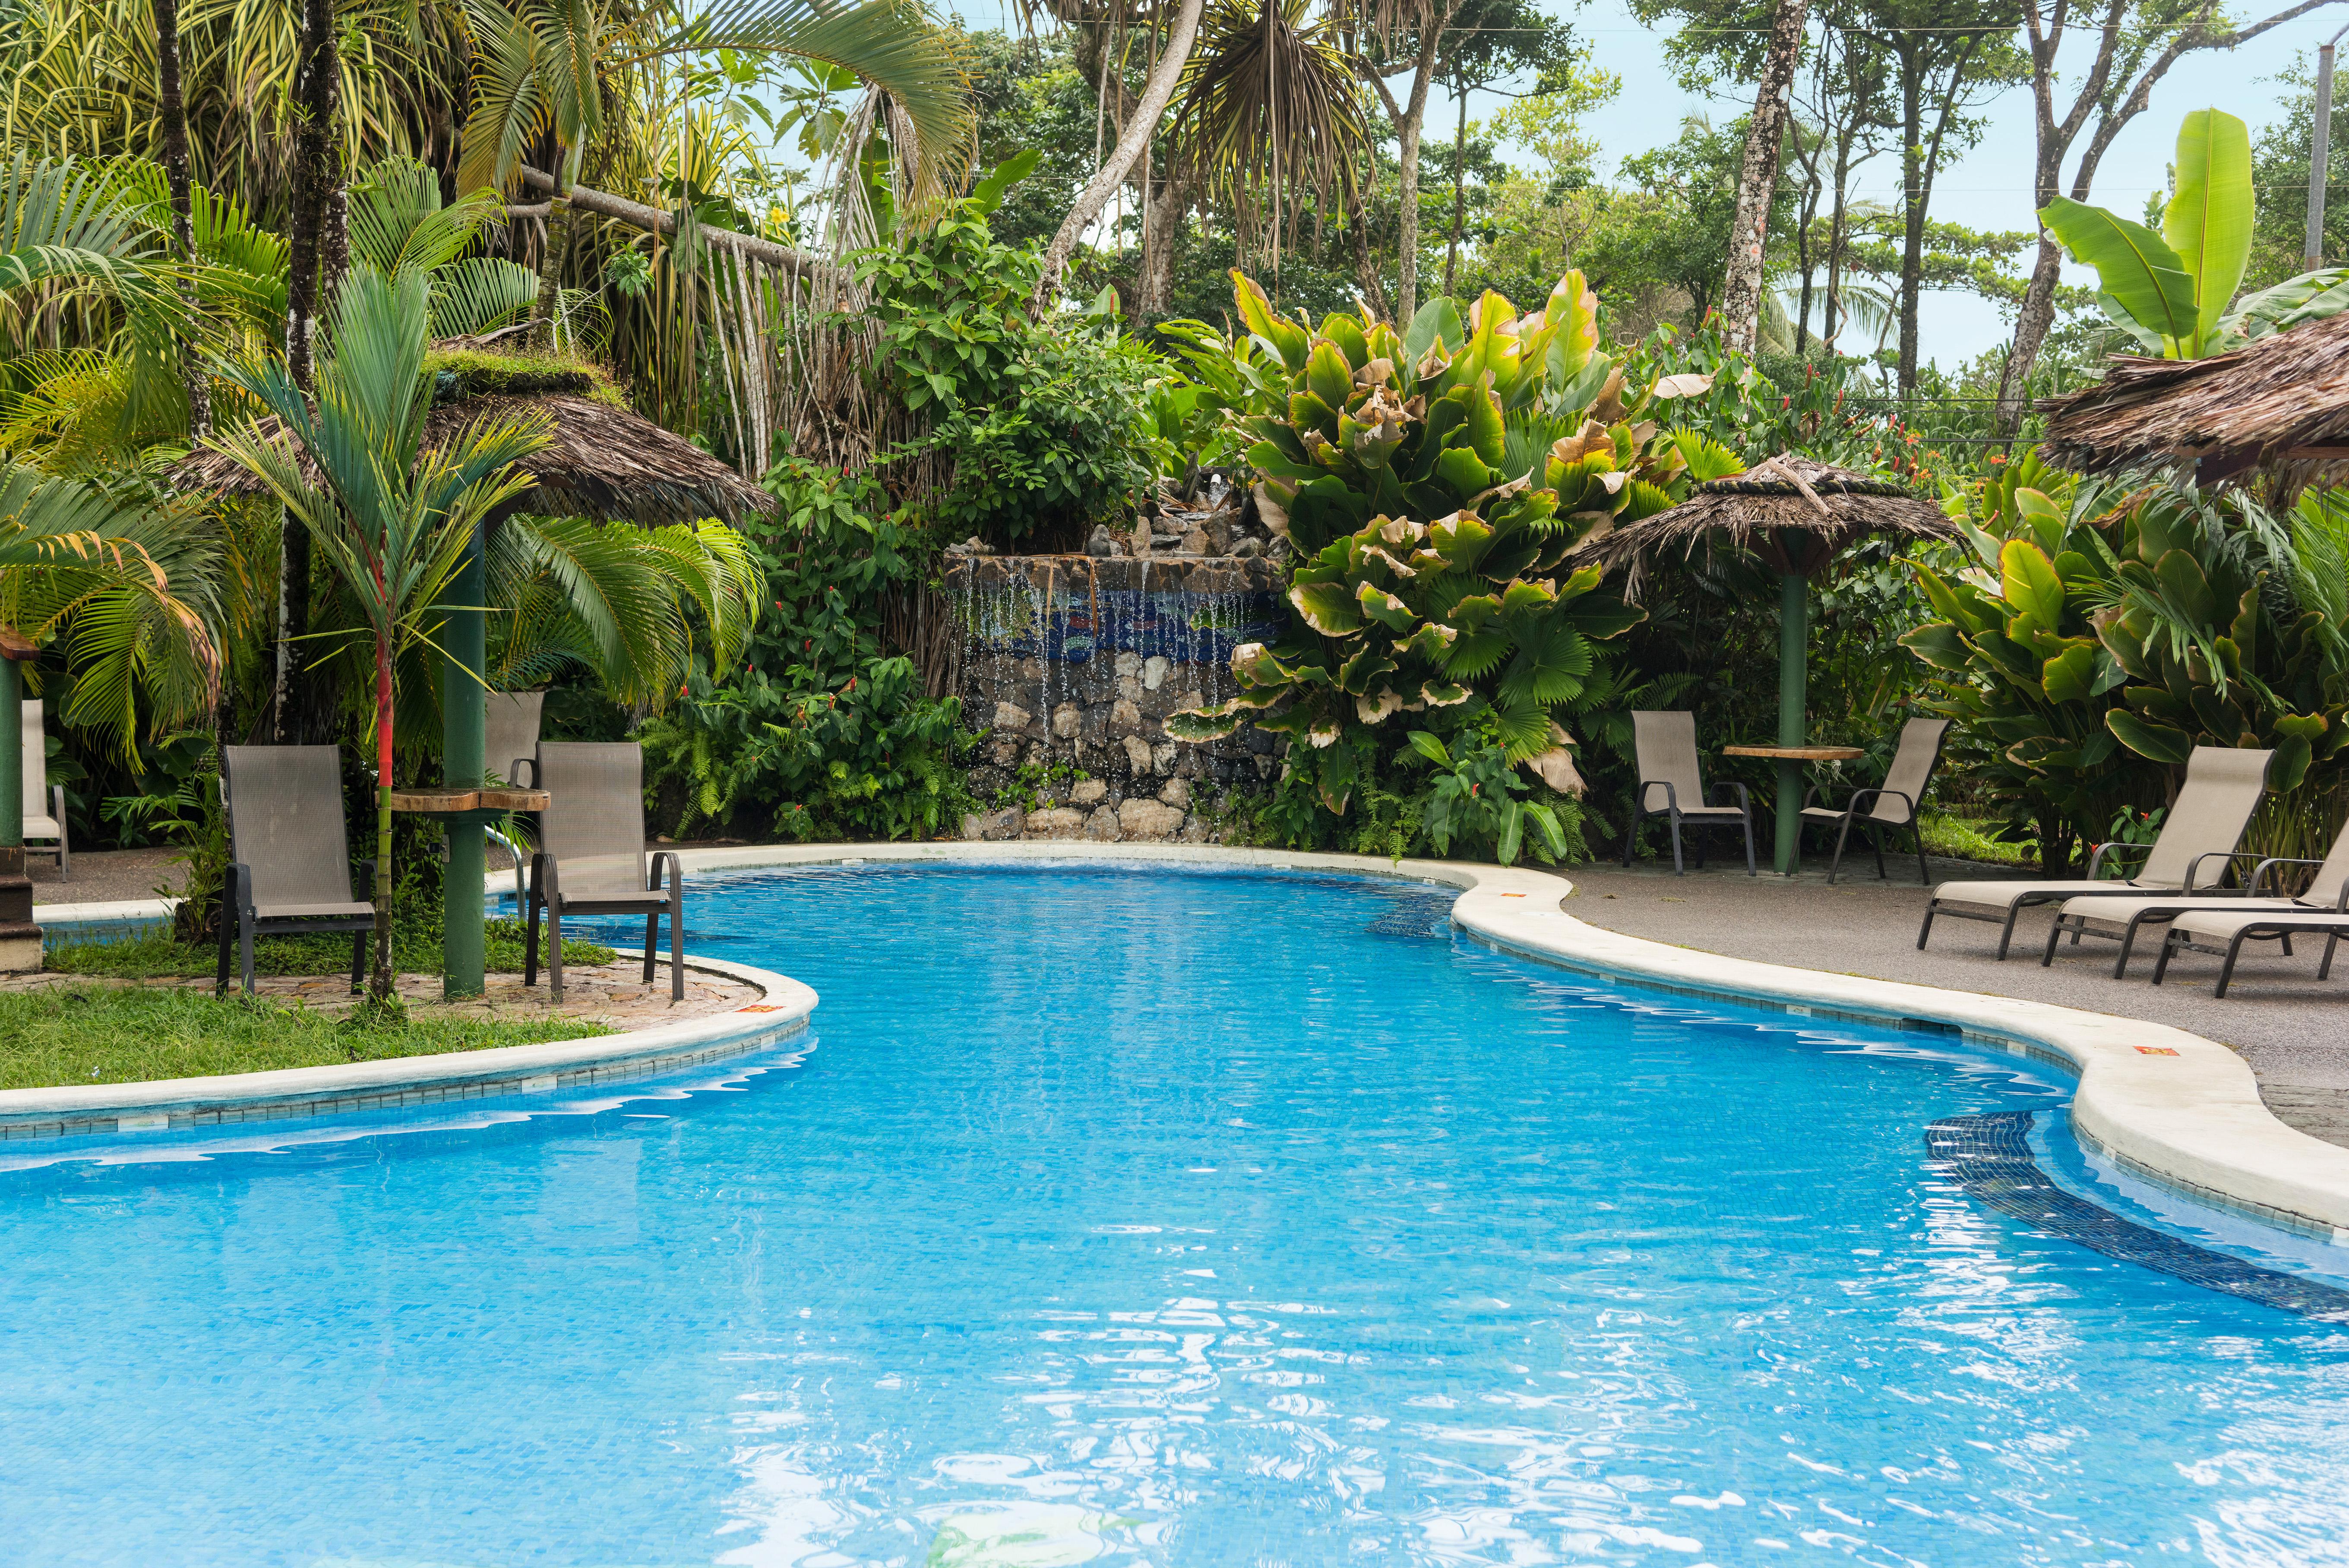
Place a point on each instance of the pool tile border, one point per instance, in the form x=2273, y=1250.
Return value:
x=235, y=1098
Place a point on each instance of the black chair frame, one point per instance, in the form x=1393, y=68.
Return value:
x=546, y=893
x=1672, y=807
x=237, y=915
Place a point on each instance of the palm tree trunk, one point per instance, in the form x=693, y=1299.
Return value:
x=545, y=331
x=1757, y=181
x=379, y=984
x=317, y=86
x=173, y=109
x=1139, y=128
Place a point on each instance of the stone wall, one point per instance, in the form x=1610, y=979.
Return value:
x=1072, y=665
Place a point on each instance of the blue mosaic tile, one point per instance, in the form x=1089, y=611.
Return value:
x=1989, y=1156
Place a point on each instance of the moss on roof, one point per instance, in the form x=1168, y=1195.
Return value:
x=460, y=373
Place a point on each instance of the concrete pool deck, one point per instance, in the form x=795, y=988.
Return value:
x=2290, y=1027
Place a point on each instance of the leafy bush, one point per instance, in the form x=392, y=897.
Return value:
x=2100, y=632
x=1042, y=427
x=819, y=732
x=1431, y=481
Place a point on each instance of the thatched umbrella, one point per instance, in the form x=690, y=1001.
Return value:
x=602, y=462
x=2281, y=403
x=1797, y=516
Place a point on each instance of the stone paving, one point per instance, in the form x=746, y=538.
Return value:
x=613, y=994
x=2290, y=1027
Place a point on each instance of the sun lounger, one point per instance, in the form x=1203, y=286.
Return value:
x=44, y=804
x=2222, y=790
x=2224, y=932
x=2120, y=919
x=591, y=857
x=1672, y=785
x=1898, y=802
x=289, y=857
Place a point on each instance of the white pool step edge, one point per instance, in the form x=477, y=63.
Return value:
x=2191, y=1122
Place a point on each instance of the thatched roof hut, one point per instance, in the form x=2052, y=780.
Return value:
x=601, y=460
x=1796, y=515
x=2280, y=403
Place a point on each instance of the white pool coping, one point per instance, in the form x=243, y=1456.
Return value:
x=2168, y=1105
x=170, y=1104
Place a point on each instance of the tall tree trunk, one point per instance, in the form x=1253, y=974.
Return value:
x=1459, y=191
x=1831, y=316
x=1411, y=119
x=318, y=93
x=380, y=982
x=1757, y=180
x=172, y=109
x=1163, y=223
x=1912, y=211
x=1366, y=265
x=1140, y=126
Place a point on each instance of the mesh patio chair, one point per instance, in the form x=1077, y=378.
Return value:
x=2222, y=789
x=1671, y=784
x=510, y=735
x=289, y=856
x=1898, y=802
x=591, y=857
x=44, y=804
x=510, y=751
x=2121, y=919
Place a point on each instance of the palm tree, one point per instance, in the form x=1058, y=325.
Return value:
x=391, y=517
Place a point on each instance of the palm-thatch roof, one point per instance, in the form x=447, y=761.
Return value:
x=2281, y=403
x=1796, y=515
x=601, y=461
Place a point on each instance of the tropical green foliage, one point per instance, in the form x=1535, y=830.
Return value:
x=1432, y=483
x=2099, y=633
x=1473, y=800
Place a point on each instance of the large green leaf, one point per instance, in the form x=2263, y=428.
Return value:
x=2138, y=270
x=2158, y=741
x=2071, y=675
x=2209, y=220
x=2028, y=580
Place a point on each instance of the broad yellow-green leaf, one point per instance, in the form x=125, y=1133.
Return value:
x=2209, y=222
x=2028, y=582
x=1327, y=607
x=2138, y=270
x=1328, y=375
x=1383, y=607
x=2071, y=676
x=2158, y=741
x=1288, y=339
x=1347, y=334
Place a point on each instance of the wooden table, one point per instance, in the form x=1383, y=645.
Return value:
x=485, y=804
x=1788, y=809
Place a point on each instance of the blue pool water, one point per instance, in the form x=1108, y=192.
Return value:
x=1127, y=1217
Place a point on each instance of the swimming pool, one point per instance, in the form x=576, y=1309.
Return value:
x=1136, y=1216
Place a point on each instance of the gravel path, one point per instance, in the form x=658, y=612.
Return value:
x=103, y=876
x=2290, y=1027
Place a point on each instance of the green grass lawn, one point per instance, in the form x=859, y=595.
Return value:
x=97, y=1033
x=414, y=951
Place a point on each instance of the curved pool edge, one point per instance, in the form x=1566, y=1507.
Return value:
x=171, y=1104
x=2191, y=1122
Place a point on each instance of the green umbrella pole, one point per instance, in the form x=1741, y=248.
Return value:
x=1793, y=639
x=20, y=938
x=462, y=712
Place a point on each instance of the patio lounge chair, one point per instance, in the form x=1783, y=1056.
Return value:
x=591, y=857
x=44, y=804
x=1898, y=802
x=2221, y=789
x=2119, y=919
x=1671, y=786
x=289, y=857
x=2224, y=932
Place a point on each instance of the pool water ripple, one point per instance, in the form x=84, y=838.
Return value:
x=1136, y=1217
